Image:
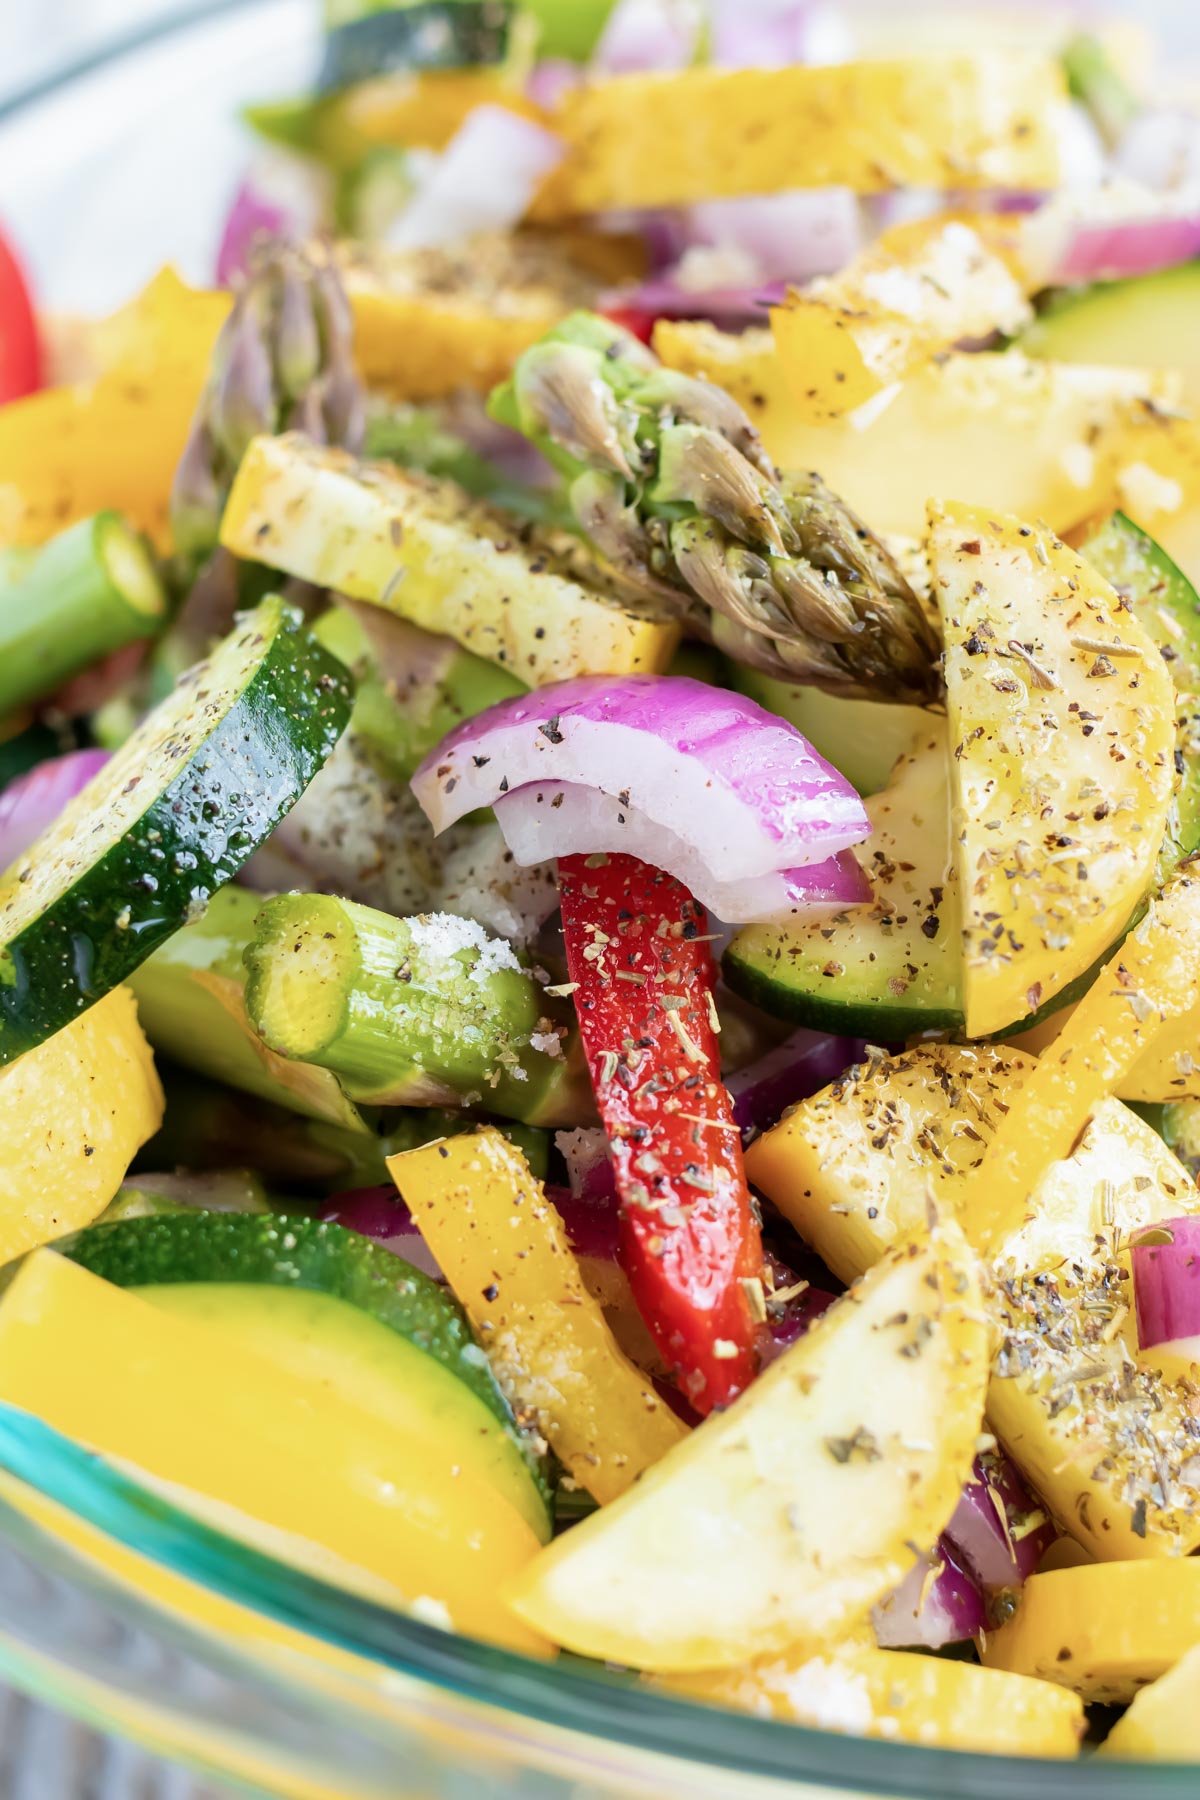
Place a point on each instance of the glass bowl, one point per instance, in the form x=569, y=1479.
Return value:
x=115, y=1605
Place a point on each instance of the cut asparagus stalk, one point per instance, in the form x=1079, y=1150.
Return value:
x=89, y=591
x=427, y=1011
x=190, y=997
x=412, y=687
x=423, y=550
x=670, y=480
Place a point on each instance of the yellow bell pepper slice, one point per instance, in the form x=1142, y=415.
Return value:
x=792, y=1512
x=419, y=548
x=899, y=1696
x=1154, y=977
x=424, y=109
x=1103, y=1630
x=918, y=289
x=109, y=1369
x=939, y=121
x=1041, y=440
x=76, y=1110
x=1163, y=1722
x=1062, y=735
x=504, y=1251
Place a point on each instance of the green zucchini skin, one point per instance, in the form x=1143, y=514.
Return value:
x=237, y=774
x=294, y=1251
x=428, y=35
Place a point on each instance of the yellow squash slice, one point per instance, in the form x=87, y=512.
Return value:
x=1042, y=440
x=170, y=1396
x=506, y=1254
x=895, y=1695
x=918, y=289
x=1104, y=1630
x=420, y=548
x=1163, y=1723
x=790, y=1514
x=1062, y=730
x=73, y=1113
x=940, y=121
x=1104, y=1440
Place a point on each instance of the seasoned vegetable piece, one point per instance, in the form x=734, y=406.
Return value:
x=1161, y=1725
x=75, y=1111
x=505, y=1252
x=1147, y=318
x=1103, y=1630
x=324, y=1304
x=191, y=1003
x=89, y=591
x=670, y=482
x=892, y=1694
x=428, y=1011
x=1062, y=757
x=420, y=548
x=919, y=288
x=862, y=738
x=791, y=1513
x=1041, y=440
x=639, y=961
x=177, y=1399
x=1104, y=1441
x=932, y=121
x=172, y=817
x=894, y=967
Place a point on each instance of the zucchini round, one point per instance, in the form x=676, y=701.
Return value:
x=428, y=35
x=175, y=814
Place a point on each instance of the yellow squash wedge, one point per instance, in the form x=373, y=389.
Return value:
x=1062, y=732
x=506, y=1254
x=918, y=289
x=73, y=1113
x=420, y=548
x=1103, y=1439
x=1163, y=1723
x=1042, y=440
x=938, y=121
x=425, y=108
x=1104, y=1630
x=899, y=1696
x=791, y=1513
x=113, y=1371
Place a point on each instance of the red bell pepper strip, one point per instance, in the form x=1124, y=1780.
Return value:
x=689, y=1240
x=635, y=319
x=20, y=350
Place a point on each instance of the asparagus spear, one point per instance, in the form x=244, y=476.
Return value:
x=423, y=1011
x=669, y=479
x=284, y=362
x=88, y=591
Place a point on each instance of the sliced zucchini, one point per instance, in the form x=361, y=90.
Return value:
x=862, y=738
x=173, y=816
x=421, y=548
x=423, y=35
x=323, y=1302
x=1168, y=606
x=1148, y=321
x=893, y=968
x=1062, y=735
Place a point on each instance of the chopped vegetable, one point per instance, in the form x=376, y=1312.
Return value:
x=1166, y=1282
x=862, y=738
x=1160, y=1724
x=506, y=1254
x=1062, y=758
x=670, y=482
x=788, y=1515
x=35, y=799
x=484, y=180
x=934, y=121
x=1146, y=318
x=638, y=958
x=76, y=1109
x=998, y=1530
x=177, y=1399
x=428, y=1011
x=936, y=1604
x=168, y=820
x=20, y=347
x=422, y=549
x=915, y=291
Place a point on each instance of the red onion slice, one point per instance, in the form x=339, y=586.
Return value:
x=936, y=1604
x=253, y=218
x=803, y=1064
x=32, y=802
x=380, y=1214
x=558, y=818
x=770, y=34
x=483, y=181
x=742, y=789
x=647, y=35
x=998, y=1531
x=1166, y=1282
